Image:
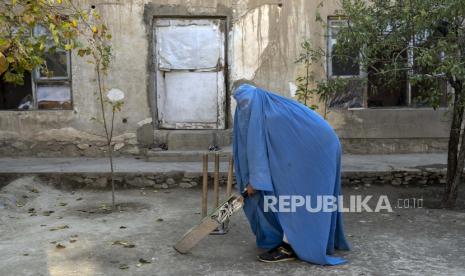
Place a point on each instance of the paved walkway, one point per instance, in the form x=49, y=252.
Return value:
x=351, y=163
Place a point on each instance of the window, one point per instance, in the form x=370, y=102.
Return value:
x=377, y=92
x=422, y=90
x=340, y=66
x=344, y=67
x=48, y=87
x=387, y=90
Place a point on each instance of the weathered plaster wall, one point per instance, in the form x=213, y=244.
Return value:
x=263, y=42
x=266, y=40
x=72, y=132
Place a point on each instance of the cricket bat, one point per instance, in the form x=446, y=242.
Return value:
x=220, y=215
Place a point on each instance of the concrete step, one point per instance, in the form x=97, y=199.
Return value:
x=186, y=155
x=359, y=170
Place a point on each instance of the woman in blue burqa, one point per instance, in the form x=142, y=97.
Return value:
x=283, y=149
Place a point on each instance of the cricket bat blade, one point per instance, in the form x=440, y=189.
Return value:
x=209, y=223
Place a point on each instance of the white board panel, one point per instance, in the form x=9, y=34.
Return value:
x=190, y=97
x=188, y=47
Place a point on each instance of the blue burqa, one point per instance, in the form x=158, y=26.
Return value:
x=283, y=148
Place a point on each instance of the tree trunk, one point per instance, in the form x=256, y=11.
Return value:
x=452, y=188
x=112, y=168
x=455, y=157
x=112, y=178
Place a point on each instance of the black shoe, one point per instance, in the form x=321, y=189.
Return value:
x=281, y=253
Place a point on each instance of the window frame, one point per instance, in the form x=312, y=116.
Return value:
x=37, y=80
x=331, y=41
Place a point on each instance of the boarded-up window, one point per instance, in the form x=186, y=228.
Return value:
x=190, y=82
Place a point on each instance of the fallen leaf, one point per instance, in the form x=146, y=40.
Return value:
x=125, y=244
x=144, y=261
x=61, y=227
x=119, y=243
x=60, y=246
x=47, y=213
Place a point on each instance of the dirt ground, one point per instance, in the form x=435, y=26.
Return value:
x=44, y=231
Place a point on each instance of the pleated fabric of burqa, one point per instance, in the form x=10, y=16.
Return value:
x=283, y=148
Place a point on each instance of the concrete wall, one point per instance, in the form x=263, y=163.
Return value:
x=397, y=130
x=264, y=39
x=73, y=132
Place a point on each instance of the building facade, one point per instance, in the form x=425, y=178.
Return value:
x=177, y=61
